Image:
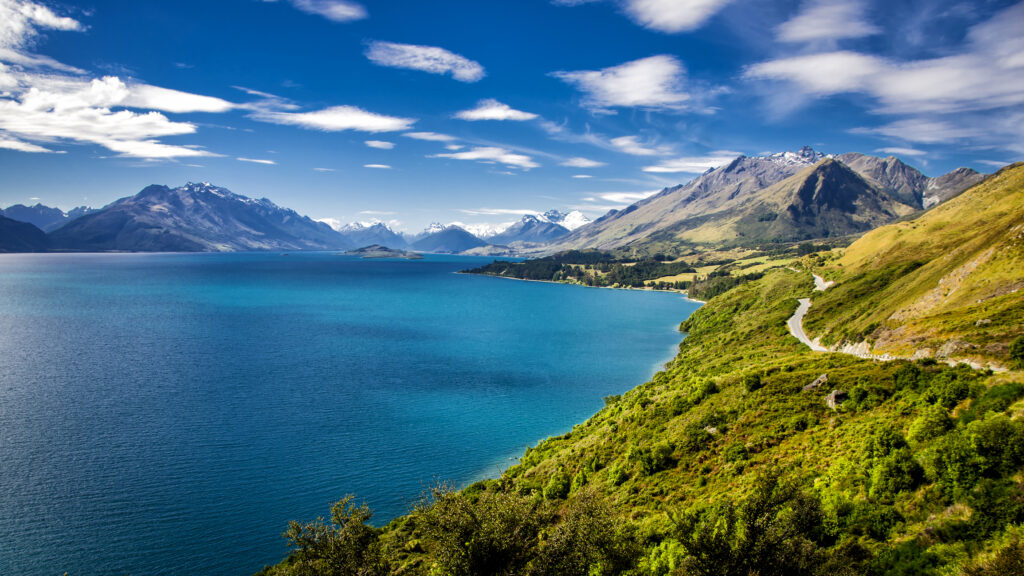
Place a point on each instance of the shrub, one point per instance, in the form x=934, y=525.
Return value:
x=1017, y=352
x=558, y=485
x=932, y=423
x=751, y=382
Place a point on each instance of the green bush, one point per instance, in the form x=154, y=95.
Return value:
x=933, y=422
x=557, y=486
x=1017, y=352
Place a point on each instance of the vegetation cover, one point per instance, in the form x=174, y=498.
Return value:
x=749, y=454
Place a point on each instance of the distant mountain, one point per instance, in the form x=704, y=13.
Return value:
x=906, y=183
x=18, y=236
x=570, y=220
x=43, y=217
x=446, y=239
x=531, y=229
x=732, y=204
x=368, y=233
x=195, y=218
x=949, y=186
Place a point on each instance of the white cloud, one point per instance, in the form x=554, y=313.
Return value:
x=14, y=144
x=493, y=154
x=337, y=119
x=380, y=144
x=673, y=15
x=653, y=83
x=631, y=145
x=454, y=147
x=257, y=161
x=429, y=136
x=994, y=163
x=582, y=163
x=21, y=19
x=500, y=212
x=154, y=97
x=896, y=151
x=61, y=109
x=425, y=58
x=924, y=130
x=336, y=10
x=491, y=109
x=378, y=166
x=323, y=169
x=624, y=197
x=828, y=20
x=690, y=165
x=822, y=74
x=935, y=96
x=582, y=176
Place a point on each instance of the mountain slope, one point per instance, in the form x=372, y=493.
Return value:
x=709, y=209
x=447, y=240
x=530, y=229
x=195, y=218
x=16, y=236
x=948, y=283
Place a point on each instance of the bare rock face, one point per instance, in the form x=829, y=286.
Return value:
x=835, y=398
x=818, y=383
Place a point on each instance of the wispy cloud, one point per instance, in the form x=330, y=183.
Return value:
x=654, y=83
x=924, y=131
x=336, y=10
x=429, y=136
x=935, y=96
x=425, y=58
x=257, y=161
x=632, y=145
x=691, y=164
x=827, y=20
x=377, y=166
x=493, y=155
x=8, y=143
x=621, y=197
x=380, y=144
x=897, y=151
x=582, y=163
x=499, y=211
x=337, y=119
x=491, y=109
x=582, y=176
x=323, y=169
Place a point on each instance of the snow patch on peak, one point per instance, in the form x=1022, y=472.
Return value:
x=806, y=156
x=434, y=228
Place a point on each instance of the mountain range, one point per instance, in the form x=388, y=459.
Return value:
x=785, y=197
x=194, y=218
x=43, y=217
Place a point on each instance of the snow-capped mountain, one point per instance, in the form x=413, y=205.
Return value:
x=532, y=229
x=43, y=217
x=806, y=156
x=195, y=218
x=569, y=220
x=484, y=230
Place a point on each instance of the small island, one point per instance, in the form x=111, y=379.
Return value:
x=378, y=251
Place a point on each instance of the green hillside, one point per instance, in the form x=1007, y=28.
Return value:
x=947, y=283
x=730, y=461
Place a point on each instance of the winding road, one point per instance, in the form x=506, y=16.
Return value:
x=796, y=324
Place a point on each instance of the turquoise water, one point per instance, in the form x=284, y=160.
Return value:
x=170, y=413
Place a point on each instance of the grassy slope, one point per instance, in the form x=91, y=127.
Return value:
x=952, y=274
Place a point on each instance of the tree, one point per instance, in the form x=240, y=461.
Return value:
x=344, y=547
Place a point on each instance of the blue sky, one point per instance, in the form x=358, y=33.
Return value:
x=480, y=111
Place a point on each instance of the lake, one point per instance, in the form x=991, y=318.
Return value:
x=170, y=413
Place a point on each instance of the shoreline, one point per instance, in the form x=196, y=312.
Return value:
x=630, y=288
